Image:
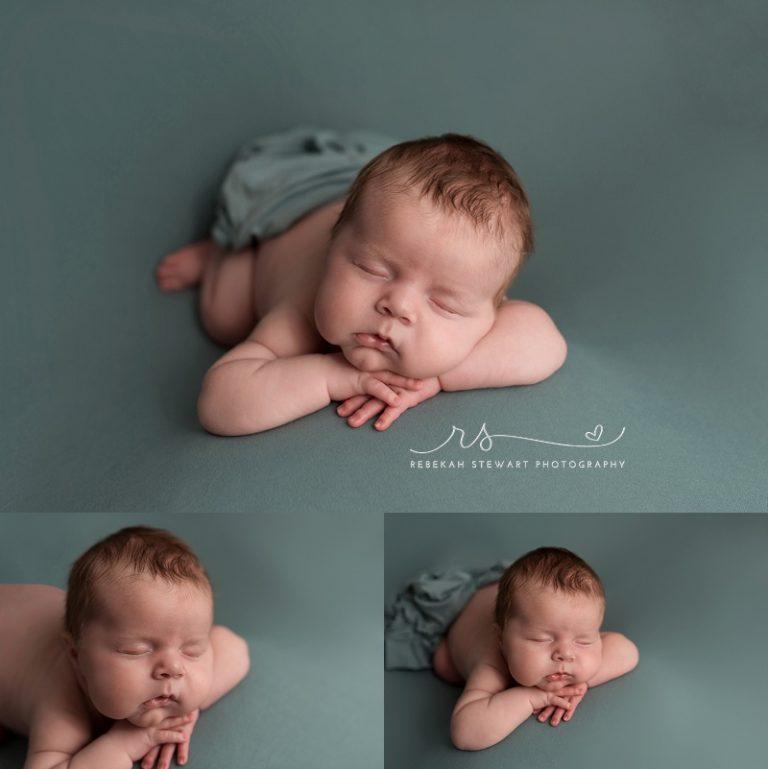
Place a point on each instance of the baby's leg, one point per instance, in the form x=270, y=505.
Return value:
x=226, y=291
x=443, y=665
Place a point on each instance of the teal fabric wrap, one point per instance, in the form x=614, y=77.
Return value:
x=277, y=178
x=422, y=613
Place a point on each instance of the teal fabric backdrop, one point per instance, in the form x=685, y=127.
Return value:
x=304, y=591
x=687, y=589
x=640, y=130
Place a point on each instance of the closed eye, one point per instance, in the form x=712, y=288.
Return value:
x=133, y=652
x=444, y=308
x=369, y=270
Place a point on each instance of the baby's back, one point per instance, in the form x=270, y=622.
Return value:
x=472, y=639
x=32, y=652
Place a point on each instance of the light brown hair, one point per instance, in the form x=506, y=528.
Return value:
x=459, y=174
x=141, y=549
x=553, y=567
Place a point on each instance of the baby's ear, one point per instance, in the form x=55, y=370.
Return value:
x=71, y=645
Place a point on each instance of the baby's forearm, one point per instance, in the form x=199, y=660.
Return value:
x=480, y=720
x=245, y=396
x=231, y=663
x=620, y=656
x=523, y=347
x=105, y=752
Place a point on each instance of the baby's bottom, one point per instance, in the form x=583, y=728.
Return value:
x=443, y=665
x=226, y=290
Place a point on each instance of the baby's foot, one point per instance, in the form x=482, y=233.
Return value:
x=184, y=268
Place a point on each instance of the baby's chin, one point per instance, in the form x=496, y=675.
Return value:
x=554, y=686
x=368, y=359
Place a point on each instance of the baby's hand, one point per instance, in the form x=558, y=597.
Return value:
x=559, y=713
x=345, y=381
x=560, y=699
x=358, y=409
x=136, y=741
x=165, y=752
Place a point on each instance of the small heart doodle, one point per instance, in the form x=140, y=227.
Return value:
x=596, y=434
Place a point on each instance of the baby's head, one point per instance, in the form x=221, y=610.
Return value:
x=432, y=233
x=549, y=610
x=139, y=612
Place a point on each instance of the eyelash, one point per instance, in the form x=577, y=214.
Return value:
x=369, y=271
x=379, y=275
x=192, y=655
x=444, y=308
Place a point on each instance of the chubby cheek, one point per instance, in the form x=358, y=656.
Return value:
x=526, y=666
x=338, y=307
x=591, y=662
x=116, y=691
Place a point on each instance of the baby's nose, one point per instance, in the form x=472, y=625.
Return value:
x=564, y=653
x=169, y=670
x=398, y=306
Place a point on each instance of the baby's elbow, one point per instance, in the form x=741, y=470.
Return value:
x=630, y=655
x=244, y=657
x=633, y=655
x=217, y=409
x=464, y=735
x=547, y=346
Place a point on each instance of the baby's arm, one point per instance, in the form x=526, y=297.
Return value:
x=620, y=656
x=266, y=381
x=57, y=741
x=489, y=710
x=522, y=348
x=230, y=663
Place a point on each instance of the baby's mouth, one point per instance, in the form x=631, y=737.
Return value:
x=160, y=702
x=376, y=341
x=558, y=676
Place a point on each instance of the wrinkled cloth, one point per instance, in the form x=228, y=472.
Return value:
x=277, y=178
x=422, y=613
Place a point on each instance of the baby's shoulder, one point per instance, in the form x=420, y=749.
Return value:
x=60, y=721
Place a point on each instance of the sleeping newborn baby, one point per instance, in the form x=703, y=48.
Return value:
x=379, y=297
x=117, y=669
x=526, y=645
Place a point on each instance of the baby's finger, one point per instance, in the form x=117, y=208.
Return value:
x=574, y=702
x=378, y=389
x=368, y=410
x=557, y=717
x=391, y=413
x=182, y=753
x=149, y=760
x=351, y=405
x=172, y=722
x=409, y=383
x=561, y=702
x=168, y=735
x=545, y=713
x=166, y=754
x=569, y=691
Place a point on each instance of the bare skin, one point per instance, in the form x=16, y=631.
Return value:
x=541, y=665
x=43, y=687
x=274, y=304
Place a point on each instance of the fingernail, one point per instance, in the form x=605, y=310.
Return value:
x=380, y=423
